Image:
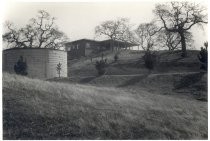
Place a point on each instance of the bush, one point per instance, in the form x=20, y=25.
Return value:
x=21, y=67
x=116, y=57
x=149, y=59
x=58, y=68
x=101, y=66
x=203, y=57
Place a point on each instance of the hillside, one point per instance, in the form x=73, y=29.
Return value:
x=131, y=62
x=35, y=109
x=190, y=85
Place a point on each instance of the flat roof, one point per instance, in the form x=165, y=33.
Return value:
x=89, y=40
x=103, y=42
x=120, y=42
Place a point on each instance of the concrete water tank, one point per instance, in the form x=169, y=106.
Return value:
x=41, y=62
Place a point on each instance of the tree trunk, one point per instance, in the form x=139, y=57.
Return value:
x=183, y=42
x=111, y=45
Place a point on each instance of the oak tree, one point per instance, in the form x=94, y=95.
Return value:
x=172, y=41
x=113, y=29
x=41, y=32
x=180, y=17
x=146, y=35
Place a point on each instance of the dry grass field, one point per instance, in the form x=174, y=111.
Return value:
x=36, y=109
x=131, y=62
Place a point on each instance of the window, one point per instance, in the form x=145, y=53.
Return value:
x=69, y=49
x=87, y=45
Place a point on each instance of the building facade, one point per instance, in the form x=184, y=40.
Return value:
x=87, y=47
x=79, y=48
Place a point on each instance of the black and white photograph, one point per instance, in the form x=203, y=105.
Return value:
x=105, y=70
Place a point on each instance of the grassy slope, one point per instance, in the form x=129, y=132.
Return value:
x=35, y=109
x=130, y=62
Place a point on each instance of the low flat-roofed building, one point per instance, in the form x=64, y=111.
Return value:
x=86, y=47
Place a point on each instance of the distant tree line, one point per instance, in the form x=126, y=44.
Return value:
x=170, y=28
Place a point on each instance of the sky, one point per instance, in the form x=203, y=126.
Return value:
x=79, y=19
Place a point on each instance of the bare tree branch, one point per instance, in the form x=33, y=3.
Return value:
x=41, y=32
x=179, y=17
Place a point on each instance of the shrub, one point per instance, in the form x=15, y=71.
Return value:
x=58, y=68
x=101, y=66
x=116, y=57
x=20, y=67
x=203, y=57
x=149, y=59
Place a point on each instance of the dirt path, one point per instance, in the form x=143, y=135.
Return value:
x=150, y=74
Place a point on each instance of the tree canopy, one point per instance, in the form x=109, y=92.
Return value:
x=146, y=35
x=179, y=17
x=40, y=32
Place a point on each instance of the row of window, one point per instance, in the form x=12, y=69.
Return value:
x=73, y=47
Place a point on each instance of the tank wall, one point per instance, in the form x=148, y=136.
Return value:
x=35, y=60
x=54, y=58
x=41, y=63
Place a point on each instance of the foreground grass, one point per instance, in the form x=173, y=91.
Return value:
x=35, y=109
